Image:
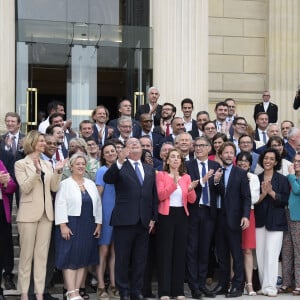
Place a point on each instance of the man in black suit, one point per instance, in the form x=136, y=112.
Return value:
x=202, y=218
x=266, y=106
x=262, y=123
x=232, y=218
x=152, y=108
x=133, y=217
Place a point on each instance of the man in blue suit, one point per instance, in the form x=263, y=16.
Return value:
x=233, y=217
x=133, y=217
x=202, y=218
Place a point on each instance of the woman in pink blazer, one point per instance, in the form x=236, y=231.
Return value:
x=175, y=190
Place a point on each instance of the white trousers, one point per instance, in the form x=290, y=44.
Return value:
x=268, y=247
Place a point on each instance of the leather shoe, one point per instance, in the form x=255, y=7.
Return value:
x=150, y=295
x=207, y=293
x=196, y=294
x=48, y=296
x=137, y=297
x=219, y=290
x=233, y=293
x=124, y=298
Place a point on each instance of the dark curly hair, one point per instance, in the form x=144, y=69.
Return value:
x=277, y=158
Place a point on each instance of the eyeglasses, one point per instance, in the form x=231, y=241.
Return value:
x=245, y=143
x=200, y=145
x=243, y=161
x=210, y=128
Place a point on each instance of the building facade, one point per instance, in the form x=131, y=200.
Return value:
x=94, y=52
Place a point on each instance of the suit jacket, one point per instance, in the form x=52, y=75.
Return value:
x=136, y=129
x=290, y=151
x=272, y=111
x=134, y=202
x=32, y=201
x=3, y=138
x=236, y=199
x=95, y=135
x=296, y=104
x=269, y=212
x=145, y=109
x=193, y=171
x=294, y=203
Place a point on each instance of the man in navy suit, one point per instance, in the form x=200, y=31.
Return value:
x=133, y=217
x=201, y=118
x=268, y=107
x=202, y=218
x=233, y=217
x=152, y=108
x=125, y=109
x=187, y=107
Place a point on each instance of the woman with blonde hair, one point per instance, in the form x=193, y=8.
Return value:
x=36, y=180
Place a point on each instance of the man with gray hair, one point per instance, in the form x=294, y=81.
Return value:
x=152, y=107
x=183, y=141
x=124, y=125
x=293, y=143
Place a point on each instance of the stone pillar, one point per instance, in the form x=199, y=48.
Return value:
x=180, y=50
x=7, y=59
x=284, y=56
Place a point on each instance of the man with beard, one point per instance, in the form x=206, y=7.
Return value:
x=232, y=218
x=168, y=112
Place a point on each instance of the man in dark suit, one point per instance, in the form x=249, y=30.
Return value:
x=152, y=108
x=101, y=132
x=187, y=107
x=233, y=217
x=11, y=143
x=12, y=140
x=266, y=106
x=201, y=118
x=262, y=123
x=202, y=218
x=133, y=217
x=125, y=109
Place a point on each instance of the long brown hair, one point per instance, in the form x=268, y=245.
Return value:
x=182, y=168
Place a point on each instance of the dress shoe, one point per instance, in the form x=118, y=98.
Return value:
x=196, y=294
x=137, y=297
x=48, y=296
x=219, y=290
x=149, y=295
x=233, y=293
x=207, y=293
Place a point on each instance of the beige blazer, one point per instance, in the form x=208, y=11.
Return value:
x=32, y=204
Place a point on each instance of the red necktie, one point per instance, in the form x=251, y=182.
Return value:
x=167, y=129
x=57, y=157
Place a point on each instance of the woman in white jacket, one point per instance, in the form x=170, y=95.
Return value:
x=78, y=213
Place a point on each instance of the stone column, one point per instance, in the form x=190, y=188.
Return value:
x=7, y=59
x=180, y=50
x=284, y=56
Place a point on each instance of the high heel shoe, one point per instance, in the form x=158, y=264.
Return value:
x=249, y=289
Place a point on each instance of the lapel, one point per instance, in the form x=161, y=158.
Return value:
x=195, y=168
x=132, y=173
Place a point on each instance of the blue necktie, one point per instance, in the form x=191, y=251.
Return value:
x=138, y=173
x=264, y=137
x=205, y=188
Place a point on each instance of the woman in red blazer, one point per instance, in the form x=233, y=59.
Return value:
x=175, y=190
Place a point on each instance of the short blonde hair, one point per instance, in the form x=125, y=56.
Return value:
x=75, y=156
x=30, y=141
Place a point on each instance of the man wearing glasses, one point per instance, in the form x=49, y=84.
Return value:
x=202, y=218
x=239, y=126
x=246, y=143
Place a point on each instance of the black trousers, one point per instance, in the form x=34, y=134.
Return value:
x=131, y=249
x=171, y=249
x=5, y=236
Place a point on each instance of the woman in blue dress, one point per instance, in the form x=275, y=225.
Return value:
x=78, y=214
x=106, y=246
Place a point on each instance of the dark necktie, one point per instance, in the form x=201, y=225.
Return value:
x=138, y=172
x=264, y=137
x=167, y=129
x=205, y=188
x=57, y=156
x=13, y=145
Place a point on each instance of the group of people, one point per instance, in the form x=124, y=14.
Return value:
x=158, y=191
